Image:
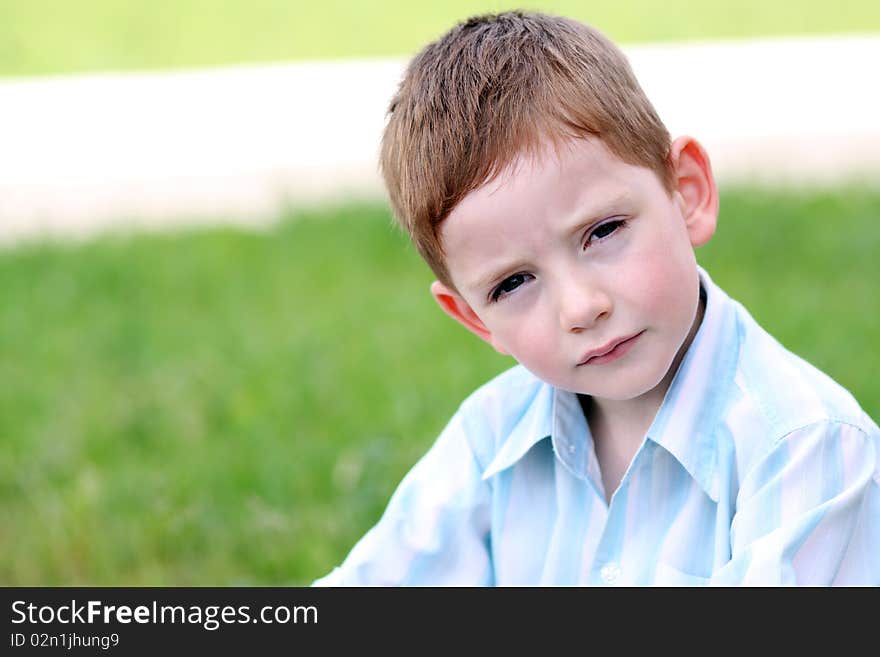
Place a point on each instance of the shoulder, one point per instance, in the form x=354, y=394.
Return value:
x=778, y=394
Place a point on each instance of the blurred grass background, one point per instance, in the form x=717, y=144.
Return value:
x=225, y=407
x=63, y=36
x=230, y=407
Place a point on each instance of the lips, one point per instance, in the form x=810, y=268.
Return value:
x=618, y=346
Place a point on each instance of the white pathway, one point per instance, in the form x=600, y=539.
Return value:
x=81, y=154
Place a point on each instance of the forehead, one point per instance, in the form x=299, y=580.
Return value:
x=550, y=189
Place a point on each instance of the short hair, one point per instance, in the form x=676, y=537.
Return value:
x=497, y=86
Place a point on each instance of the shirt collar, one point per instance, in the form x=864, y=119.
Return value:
x=534, y=425
x=684, y=424
x=695, y=401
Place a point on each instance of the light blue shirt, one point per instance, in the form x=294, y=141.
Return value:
x=757, y=469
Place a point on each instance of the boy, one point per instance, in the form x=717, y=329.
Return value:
x=652, y=432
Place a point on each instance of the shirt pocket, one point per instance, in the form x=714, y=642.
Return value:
x=666, y=575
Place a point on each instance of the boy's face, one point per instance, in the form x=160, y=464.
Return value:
x=563, y=257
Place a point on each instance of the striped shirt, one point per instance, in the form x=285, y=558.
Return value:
x=758, y=469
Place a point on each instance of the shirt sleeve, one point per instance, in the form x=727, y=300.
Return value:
x=808, y=513
x=435, y=529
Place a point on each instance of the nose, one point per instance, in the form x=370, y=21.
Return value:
x=582, y=304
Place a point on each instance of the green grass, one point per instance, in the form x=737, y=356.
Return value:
x=61, y=36
x=221, y=407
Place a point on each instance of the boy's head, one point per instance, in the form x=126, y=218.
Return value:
x=495, y=87
x=537, y=181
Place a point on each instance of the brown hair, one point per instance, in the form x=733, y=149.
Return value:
x=497, y=86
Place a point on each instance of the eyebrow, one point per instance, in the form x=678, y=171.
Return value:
x=495, y=277
x=586, y=219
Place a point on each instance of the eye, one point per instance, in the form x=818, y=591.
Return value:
x=508, y=285
x=603, y=231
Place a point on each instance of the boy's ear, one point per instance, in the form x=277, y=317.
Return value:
x=456, y=307
x=695, y=188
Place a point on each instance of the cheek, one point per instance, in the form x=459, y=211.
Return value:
x=663, y=281
x=527, y=339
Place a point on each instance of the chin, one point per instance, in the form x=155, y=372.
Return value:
x=629, y=385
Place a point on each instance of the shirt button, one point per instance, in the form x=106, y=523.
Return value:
x=609, y=573
x=571, y=449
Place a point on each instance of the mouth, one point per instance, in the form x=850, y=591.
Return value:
x=610, y=351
